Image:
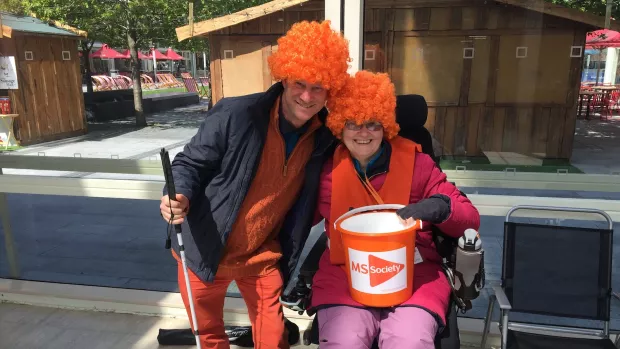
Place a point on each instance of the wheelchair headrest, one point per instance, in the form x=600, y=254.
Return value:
x=411, y=112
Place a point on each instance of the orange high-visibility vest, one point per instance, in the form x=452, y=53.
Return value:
x=349, y=192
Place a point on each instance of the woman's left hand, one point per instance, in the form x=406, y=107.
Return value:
x=435, y=209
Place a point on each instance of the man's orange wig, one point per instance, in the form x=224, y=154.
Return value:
x=312, y=52
x=365, y=97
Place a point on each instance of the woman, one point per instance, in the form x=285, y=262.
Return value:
x=373, y=165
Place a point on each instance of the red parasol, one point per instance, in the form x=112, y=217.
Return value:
x=158, y=55
x=106, y=52
x=173, y=55
x=126, y=54
x=603, y=38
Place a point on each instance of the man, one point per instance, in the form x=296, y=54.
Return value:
x=241, y=174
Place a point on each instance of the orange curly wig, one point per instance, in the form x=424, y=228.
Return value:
x=365, y=97
x=312, y=52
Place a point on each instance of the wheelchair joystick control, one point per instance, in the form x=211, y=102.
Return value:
x=469, y=267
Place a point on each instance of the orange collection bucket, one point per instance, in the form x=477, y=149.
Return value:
x=379, y=249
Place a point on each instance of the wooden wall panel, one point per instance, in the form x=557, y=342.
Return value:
x=266, y=52
x=466, y=74
x=460, y=130
x=497, y=135
x=540, y=126
x=242, y=74
x=404, y=19
x=50, y=92
x=431, y=67
x=438, y=131
x=469, y=17
x=572, y=97
x=440, y=18
x=480, y=71
x=474, y=116
x=485, y=130
x=555, y=132
x=374, y=56
x=77, y=94
x=540, y=77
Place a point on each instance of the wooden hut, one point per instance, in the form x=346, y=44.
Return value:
x=49, y=99
x=499, y=76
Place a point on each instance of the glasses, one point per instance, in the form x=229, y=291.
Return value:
x=370, y=126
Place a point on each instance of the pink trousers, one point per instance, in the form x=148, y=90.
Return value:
x=353, y=328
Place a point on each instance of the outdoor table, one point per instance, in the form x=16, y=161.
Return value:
x=588, y=95
x=7, y=123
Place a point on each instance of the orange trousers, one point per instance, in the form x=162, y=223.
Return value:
x=261, y=295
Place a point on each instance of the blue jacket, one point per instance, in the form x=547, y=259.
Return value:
x=216, y=168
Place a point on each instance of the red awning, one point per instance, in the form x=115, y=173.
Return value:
x=127, y=55
x=603, y=38
x=106, y=52
x=173, y=55
x=158, y=55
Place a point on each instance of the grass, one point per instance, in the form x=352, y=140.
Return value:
x=10, y=148
x=483, y=164
x=163, y=90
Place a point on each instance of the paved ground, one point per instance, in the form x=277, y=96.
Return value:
x=120, y=243
x=71, y=329
x=596, y=147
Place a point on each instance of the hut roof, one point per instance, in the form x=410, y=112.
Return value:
x=211, y=25
x=27, y=24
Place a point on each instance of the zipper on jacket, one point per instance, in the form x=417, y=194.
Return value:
x=308, y=132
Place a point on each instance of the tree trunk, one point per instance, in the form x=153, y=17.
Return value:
x=135, y=76
x=85, y=55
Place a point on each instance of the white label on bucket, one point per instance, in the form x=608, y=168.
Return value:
x=378, y=272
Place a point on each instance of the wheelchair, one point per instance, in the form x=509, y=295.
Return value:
x=411, y=114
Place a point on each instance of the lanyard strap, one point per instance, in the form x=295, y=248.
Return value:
x=371, y=190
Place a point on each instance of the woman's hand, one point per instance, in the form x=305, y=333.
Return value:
x=435, y=209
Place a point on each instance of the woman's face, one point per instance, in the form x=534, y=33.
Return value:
x=363, y=141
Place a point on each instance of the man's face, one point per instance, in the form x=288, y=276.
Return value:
x=302, y=100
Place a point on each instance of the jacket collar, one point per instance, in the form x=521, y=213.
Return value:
x=382, y=163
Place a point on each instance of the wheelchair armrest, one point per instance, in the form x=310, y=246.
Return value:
x=310, y=263
x=501, y=297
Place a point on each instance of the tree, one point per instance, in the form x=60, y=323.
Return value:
x=597, y=7
x=12, y=6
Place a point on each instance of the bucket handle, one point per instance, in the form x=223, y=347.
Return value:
x=371, y=208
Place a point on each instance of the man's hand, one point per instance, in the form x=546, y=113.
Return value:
x=177, y=207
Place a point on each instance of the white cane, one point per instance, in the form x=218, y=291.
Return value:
x=177, y=227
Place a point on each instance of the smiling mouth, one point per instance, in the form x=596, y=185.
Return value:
x=363, y=141
x=303, y=106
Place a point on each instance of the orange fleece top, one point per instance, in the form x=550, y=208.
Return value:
x=253, y=245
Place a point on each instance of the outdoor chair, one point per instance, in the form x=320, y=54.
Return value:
x=192, y=86
x=558, y=271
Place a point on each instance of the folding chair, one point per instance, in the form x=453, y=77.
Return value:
x=558, y=271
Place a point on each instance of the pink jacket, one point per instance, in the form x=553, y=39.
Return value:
x=431, y=287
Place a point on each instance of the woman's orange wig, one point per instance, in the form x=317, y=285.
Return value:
x=365, y=97
x=312, y=52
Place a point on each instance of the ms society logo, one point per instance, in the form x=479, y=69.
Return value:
x=378, y=272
